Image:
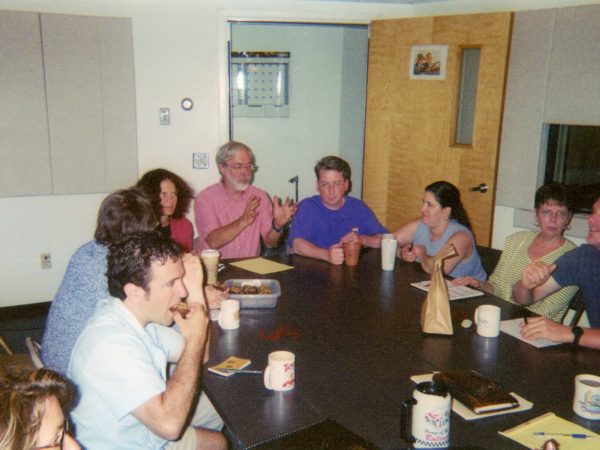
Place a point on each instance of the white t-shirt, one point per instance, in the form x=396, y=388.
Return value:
x=117, y=366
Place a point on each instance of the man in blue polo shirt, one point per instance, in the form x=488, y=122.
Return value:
x=579, y=267
x=323, y=222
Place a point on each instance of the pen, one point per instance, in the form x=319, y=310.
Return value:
x=240, y=370
x=573, y=435
x=524, y=311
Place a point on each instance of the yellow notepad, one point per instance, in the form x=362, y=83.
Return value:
x=231, y=364
x=555, y=428
x=261, y=265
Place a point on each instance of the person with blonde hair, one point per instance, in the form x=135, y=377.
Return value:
x=33, y=411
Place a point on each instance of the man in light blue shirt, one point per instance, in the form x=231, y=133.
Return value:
x=119, y=361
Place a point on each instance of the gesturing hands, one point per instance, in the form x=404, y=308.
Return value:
x=283, y=212
x=251, y=211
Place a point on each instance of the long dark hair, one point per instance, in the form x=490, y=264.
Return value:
x=449, y=196
x=150, y=184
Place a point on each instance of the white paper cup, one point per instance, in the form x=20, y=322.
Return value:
x=487, y=319
x=388, y=253
x=229, y=315
x=280, y=374
x=210, y=259
x=586, y=402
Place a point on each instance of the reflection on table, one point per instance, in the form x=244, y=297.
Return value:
x=357, y=338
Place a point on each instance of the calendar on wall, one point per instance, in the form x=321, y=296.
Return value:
x=260, y=84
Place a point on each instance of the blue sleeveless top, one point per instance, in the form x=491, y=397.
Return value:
x=467, y=267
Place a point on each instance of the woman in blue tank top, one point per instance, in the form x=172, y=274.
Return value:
x=443, y=220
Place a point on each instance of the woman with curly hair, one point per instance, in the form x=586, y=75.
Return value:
x=171, y=197
x=33, y=410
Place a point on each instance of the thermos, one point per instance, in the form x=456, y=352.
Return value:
x=425, y=418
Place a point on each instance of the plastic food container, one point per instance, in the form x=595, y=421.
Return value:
x=249, y=301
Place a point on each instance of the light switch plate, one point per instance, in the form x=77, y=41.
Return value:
x=200, y=160
x=164, y=115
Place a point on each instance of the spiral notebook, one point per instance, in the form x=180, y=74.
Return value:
x=326, y=434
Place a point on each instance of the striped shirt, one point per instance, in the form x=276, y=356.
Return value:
x=508, y=272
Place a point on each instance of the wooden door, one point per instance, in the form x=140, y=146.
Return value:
x=409, y=137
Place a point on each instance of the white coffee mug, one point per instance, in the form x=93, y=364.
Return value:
x=425, y=418
x=388, y=252
x=229, y=315
x=487, y=319
x=586, y=402
x=280, y=374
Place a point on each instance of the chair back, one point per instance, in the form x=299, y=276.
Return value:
x=5, y=346
x=34, y=349
x=574, y=311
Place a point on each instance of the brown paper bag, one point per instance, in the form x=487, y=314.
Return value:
x=435, y=314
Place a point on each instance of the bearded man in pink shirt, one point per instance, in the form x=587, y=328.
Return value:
x=232, y=215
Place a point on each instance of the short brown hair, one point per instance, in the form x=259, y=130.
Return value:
x=334, y=163
x=122, y=212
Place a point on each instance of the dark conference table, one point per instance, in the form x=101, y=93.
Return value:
x=357, y=338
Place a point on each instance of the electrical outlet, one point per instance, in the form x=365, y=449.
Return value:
x=200, y=161
x=46, y=261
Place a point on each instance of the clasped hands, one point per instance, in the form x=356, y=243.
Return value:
x=536, y=274
x=412, y=253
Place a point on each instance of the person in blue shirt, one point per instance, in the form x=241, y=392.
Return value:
x=324, y=222
x=443, y=220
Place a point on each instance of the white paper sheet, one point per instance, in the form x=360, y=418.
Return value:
x=513, y=327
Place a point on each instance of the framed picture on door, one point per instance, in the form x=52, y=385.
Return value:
x=428, y=62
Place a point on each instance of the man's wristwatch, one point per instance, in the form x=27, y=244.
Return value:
x=274, y=227
x=577, y=333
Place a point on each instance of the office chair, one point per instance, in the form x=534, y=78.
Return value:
x=34, y=348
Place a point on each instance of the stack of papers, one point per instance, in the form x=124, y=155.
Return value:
x=454, y=292
x=229, y=366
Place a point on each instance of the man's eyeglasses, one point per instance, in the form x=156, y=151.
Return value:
x=240, y=167
x=59, y=444
x=334, y=185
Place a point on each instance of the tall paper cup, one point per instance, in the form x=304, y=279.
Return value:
x=210, y=258
x=388, y=252
x=229, y=315
x=351, y=252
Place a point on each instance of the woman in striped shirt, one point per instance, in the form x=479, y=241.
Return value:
x=552, y=215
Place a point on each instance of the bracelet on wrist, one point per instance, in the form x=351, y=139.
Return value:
x=275, y=228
